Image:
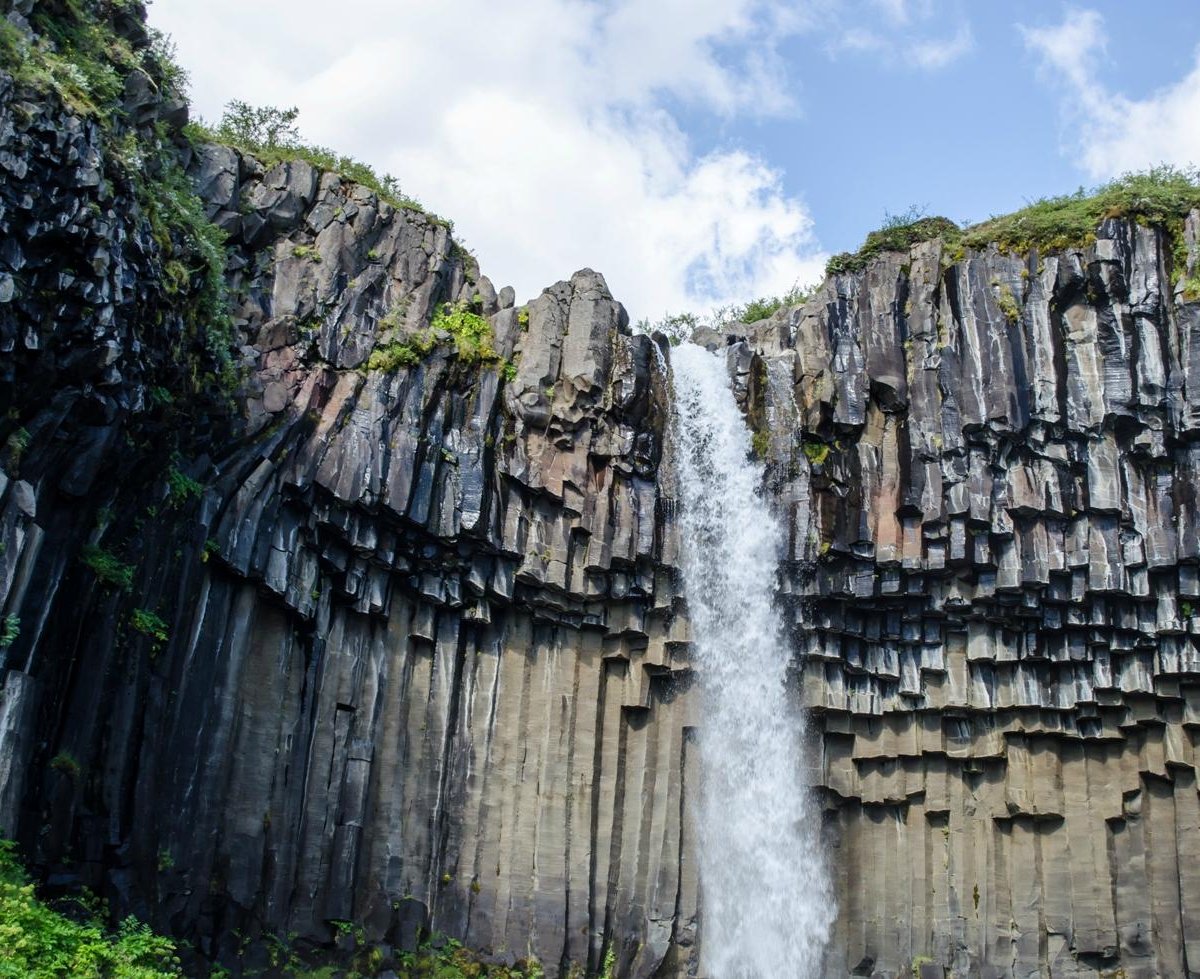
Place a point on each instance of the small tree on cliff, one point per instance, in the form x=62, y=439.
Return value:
x=258, y=125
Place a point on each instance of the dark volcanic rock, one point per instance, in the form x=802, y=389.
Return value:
x=423, y=660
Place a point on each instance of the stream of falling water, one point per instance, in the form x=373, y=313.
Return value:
x=766, y=902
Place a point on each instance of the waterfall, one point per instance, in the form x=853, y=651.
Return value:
x=766, y=903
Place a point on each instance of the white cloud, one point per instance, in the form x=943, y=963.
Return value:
x=1112, y=133
x=905, y=33
x=546, y=128
x=936, y=53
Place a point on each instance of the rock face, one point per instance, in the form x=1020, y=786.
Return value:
x=990, y=468
x=406, y=647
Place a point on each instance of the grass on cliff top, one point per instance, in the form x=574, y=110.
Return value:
x=1160, y=197
x=42, y=941
x=270, y=135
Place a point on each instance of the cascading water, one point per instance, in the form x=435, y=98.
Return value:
x=766, y=902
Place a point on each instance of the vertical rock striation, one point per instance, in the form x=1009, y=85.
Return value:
x=399, y=639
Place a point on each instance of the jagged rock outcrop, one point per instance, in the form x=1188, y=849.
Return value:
x=401, y=642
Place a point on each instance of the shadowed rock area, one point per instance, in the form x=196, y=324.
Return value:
x=301, y=640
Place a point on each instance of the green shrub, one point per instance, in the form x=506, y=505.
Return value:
x=471, y=333
x=10, y=630
x=41, y=942
x=899, y=233
x=149, y=624
x=308, y=252
x=181, y=487
x=108, y=568
x=765, y=306
x=816, y=452
x=760, y=442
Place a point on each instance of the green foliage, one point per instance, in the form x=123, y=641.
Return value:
x=308, y=252
x=509, y=370
x=899, y=233
x=149, y=624
x=108, y=568
x=15, y=447
x=10, y=629
x=760, y=443
x=452, y=961
x=765, y=306
x=181, y=487
x=610, y=963
x=41, y=942
x=1008, y=303
x=1156, y=198
x=65, y=762
x=523, y=317
x=402, y=353
x=210, y=548
x=271, y=135
x=1160, y=197
x=816, y=452
x=471, y=333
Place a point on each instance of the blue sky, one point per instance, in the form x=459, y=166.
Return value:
x=700, y=152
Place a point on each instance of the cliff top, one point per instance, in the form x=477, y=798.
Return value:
x=1161, y=197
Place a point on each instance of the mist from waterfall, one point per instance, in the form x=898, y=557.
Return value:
x=766, y=903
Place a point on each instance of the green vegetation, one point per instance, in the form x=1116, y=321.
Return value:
x=65, y=763
x=760, y=442
x=271, y=135
x=79, y=59
x=899, y=233
x=307, y=252
x=815, y=451
x=452, y=961
x=108, y=568
x=149, y=624
x=1007, y=302
x=181, y=487
x=1160, y=197
x=678, y=327
x=469, y=332
x=15, y=447
x=766, y=306
x=10, y=630
x=44, y=941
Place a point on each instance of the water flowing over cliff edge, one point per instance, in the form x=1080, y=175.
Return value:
x=362, y=636
x=767, y=907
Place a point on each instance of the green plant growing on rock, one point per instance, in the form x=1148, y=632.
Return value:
x=65, y=763
x=181, y=487
x=760, y=442
x=149, y=624
x=815, y=451
x=10, y=629
x=1008, y=303
x=471, y=333
x=108, y=568
x=307, y=252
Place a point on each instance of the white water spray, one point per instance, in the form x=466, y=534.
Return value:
x=766, y=902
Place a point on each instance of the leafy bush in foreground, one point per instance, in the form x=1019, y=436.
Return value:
x=41, y=942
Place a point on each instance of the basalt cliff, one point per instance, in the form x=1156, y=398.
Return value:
x=331, y=621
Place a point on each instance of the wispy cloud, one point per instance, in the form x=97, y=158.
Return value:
x=907, y=33
x=548, y=129
x=1110, y=132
